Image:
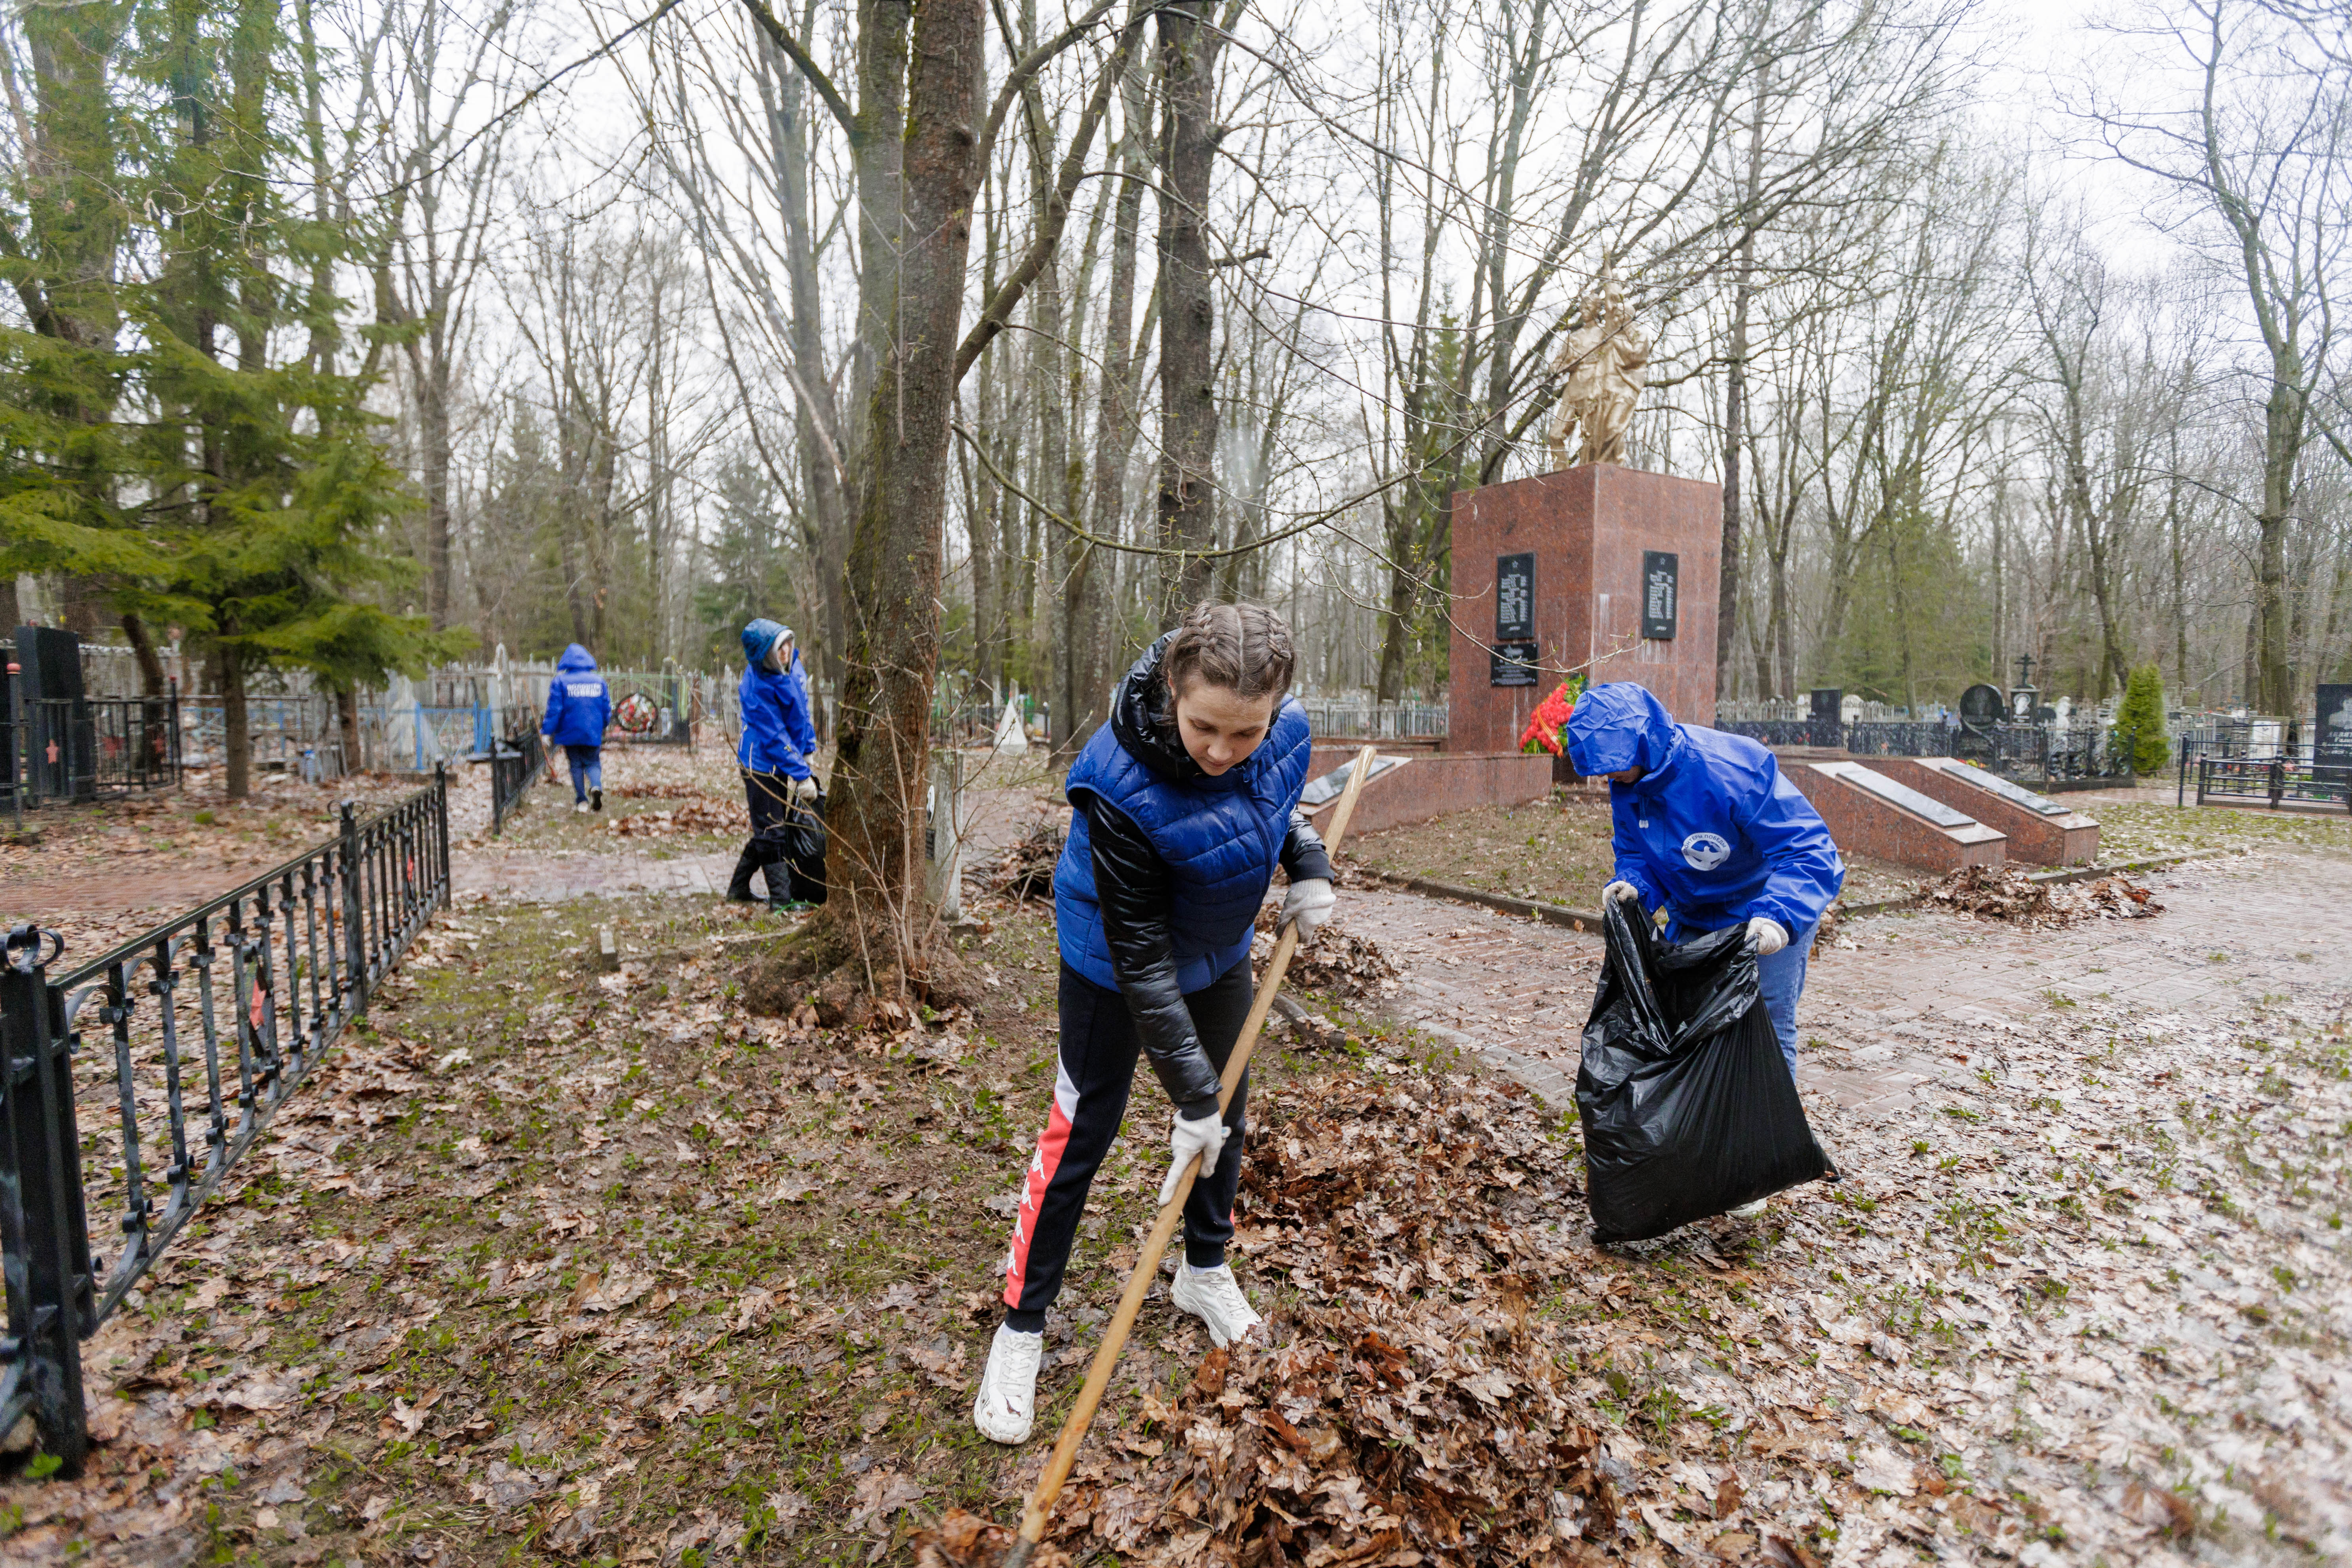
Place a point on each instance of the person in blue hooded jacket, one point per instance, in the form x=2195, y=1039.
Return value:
x=1185, y=803
x=578, y=706
x=778, y=739
x=1708, y=830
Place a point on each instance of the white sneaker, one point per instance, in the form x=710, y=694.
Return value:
x=1214, y=1297
x=1007, y=1406
x=580, y=807
x=1747, y=1211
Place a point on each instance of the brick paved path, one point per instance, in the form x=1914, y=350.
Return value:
x=1887, y=1014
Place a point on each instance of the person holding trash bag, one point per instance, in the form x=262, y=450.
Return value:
x=1686, y=1105
x=579, y=707
x=1186, y=801
x=778, y=785
x=1706, y=829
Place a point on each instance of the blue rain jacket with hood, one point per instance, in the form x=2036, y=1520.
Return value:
x=1710, y=830
x=778, y=734
x=579, y=704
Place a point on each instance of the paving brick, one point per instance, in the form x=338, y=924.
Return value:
x=1914, y=987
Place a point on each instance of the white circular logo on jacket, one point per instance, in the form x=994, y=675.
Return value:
x=1705, y=851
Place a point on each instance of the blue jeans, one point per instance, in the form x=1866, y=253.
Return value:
x=587, y=763
x=1779, y=980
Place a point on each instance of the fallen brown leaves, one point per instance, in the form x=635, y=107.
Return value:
x=1336, y=960
x=688, y=816
x=2006, y=893
x=1408, y=1406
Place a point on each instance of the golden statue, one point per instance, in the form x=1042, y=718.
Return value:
x=1602, y=361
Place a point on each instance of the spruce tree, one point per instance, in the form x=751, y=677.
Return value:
x=2141, y=714
x=198, y=441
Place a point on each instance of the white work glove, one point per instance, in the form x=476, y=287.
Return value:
x=804, y=789
x=1769, y=936
x=1204, y=1137
x=1308, y=905
x=1621, y=889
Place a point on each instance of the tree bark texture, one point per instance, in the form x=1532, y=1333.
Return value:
x=875, y=867
x=1188, y=407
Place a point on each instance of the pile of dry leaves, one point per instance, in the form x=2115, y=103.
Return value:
x=1337, y=960
x=1408, y=1406
x=2006, y=893
x=1027, y=871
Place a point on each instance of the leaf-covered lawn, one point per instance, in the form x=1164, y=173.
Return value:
x=1555, y=851
x=548, y=1266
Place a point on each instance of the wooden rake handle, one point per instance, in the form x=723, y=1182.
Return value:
x=1155, y=1246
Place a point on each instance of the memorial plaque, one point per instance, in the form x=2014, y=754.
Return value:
x=1980, y=704
x=1660, y=572
x=1513, y=664
x=2331, y=738
x=1515, y=598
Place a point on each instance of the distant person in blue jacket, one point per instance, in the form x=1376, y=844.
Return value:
x=578, y=706
x=1706, y=829
x=778, y=739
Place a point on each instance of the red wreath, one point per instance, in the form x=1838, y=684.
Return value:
x=1551, y=718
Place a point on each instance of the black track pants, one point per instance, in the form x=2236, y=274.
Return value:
x=1094, y=1067
x=769, y=797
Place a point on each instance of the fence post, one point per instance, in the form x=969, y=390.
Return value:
x=441, y=825
x=16, y=764
x=354, y=908
x=498, y=791
x=48, y=1251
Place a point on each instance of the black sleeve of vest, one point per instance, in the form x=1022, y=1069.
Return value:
x=1304, y=858
x=1131, y=885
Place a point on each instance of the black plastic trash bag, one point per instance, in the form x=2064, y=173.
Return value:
x=803, y=859
x=1687, y=1104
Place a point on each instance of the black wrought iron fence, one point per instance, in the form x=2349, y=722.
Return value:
x=230, y=1005
x=515, y=764
x=76, y=749
x=2273, y=780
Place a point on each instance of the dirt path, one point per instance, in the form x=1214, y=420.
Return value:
x=1890, y=997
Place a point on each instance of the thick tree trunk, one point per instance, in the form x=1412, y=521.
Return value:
x=1188, y=408
x=875, y=867
x=880, y=149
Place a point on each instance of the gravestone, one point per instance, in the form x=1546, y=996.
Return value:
x=1981, y=709
x=2332, y=736
x=1827, y=716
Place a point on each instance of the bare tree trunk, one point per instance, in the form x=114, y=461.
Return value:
x=1188, y=408
x=1735, y=409
x=875, y=867
x=815, y=422
x=347, y=720
x=1089, y=593
x=152, y=679
x=236, y=736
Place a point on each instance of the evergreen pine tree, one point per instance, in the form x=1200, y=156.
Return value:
x=2141, y=714
x=192, y=437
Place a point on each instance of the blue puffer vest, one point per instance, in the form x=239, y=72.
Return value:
x=1220, y=837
